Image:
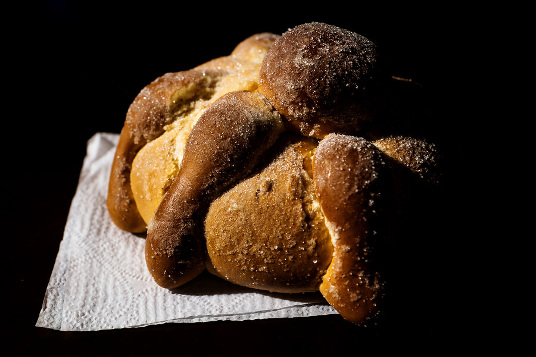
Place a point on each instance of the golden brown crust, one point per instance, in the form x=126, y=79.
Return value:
x=159, y=104
x=156, y=165
x=306, y=80
x=153, y=170
x=120, y=201
x=223, y=147
x=152, y=109
x=350, y=183
x=248, y=54
x=255, y=240
x=254, y=48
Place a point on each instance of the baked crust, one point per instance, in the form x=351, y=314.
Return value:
x=156, y=165
x=223, y=147
x=253, y=240
x=351, y=182
x=419, y=156
x=152, y=109
x=304, y=78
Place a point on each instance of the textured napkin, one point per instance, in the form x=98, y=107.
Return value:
x=100, y=280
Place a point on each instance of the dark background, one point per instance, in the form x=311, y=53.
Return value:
x=72, y=70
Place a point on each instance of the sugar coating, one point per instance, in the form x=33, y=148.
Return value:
x=419, y=156
x=316, y=75
x=349, y=175
x=343, y=171
x=153, y=108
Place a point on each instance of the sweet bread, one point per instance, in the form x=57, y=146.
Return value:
x=261, y=167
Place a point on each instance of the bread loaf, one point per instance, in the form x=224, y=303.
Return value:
x=260, y=167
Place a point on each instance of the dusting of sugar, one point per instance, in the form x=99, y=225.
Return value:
x=315, y=73
x=419, y=156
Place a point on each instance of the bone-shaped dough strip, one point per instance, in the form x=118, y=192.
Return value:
x=223, y=147
x=351, y=180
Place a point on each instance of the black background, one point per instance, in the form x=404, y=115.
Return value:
x=72, y=69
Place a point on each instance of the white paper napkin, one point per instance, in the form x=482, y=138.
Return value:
x=100, y=280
